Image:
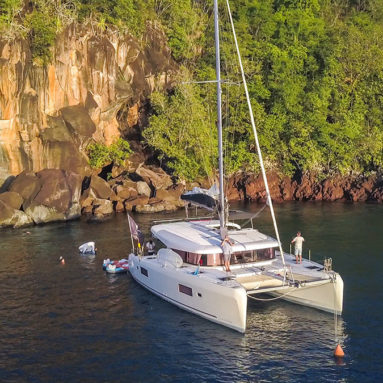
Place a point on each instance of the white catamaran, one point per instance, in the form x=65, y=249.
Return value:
x=189, y=272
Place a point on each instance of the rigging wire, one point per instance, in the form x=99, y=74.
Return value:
x=256, y=137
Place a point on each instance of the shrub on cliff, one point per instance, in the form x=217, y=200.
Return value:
x=101, y=155
x=9, y=11
x=182, y=131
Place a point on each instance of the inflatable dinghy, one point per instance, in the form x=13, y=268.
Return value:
x=115, y=267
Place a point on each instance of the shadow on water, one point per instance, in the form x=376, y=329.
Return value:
x=74, y=323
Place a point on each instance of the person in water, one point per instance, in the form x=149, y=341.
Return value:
x=150, y=247
x=227, y=250
x=298, y=241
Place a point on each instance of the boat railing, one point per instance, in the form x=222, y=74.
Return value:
x=206, y=218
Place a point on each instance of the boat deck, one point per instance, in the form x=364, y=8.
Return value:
x=263, y=276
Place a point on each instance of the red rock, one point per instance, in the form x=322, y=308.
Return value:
x=304, y=190
x=331, y=190
x=287, y=190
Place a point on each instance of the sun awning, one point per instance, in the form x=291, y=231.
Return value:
x=201, y=238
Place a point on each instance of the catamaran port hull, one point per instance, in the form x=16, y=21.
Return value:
x=223, y=302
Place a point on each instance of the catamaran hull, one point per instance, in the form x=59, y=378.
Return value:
x=324, y=295
x=218, y=303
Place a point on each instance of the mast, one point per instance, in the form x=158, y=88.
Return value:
x=268, y=196
x=219, y=120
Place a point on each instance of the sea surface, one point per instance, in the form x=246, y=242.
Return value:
x=75, y=323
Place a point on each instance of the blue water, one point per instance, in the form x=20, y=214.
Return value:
x=74, y=323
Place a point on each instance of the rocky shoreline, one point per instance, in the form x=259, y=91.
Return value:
x=52, y=195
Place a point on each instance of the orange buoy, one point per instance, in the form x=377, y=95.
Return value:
x=62, y=260
x=338, y=353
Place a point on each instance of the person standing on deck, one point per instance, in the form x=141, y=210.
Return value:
x=298, y=241
x=227, y=251
x=150, y=247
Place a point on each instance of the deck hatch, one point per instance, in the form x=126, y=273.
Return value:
x=185, y=289
x=144, y=272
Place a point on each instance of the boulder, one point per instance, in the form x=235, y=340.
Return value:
x=155, y=176
x=143, y=189
x=126, y=192
x=27, y=184
x=55, y=192
x=10, y=217
x=62, y=148
x=152, y=208
x=74, y=183
x=170, y=195
x=77, y=118
x=44, y=214
x=129, y=184
x=119, y=208
x=99, y=188
x=86, y=202
x=58, y=198
x=49, y=195
x=130, y=205
x=12, y=199
x=87, y=209
x=102, y=207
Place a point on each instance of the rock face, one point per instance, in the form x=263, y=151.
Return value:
x=45, y=196
x=93, y=89
x=307, y=188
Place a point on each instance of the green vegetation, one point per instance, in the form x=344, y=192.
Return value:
x=315, y=79
x=313, y=67
x=182, y=130
x=101, y=155
x=41, y=20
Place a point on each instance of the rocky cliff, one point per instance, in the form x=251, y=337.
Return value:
x=94, y=89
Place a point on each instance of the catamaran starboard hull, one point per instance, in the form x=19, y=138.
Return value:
x=324, y=295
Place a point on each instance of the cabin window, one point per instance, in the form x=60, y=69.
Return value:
x=265, y=254
x=253, y=256
x=217, y=259
x=182, y=254
x=192, y=258
x=144, y=272
x=186, y=290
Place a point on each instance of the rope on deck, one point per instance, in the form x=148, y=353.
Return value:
x=271, y=299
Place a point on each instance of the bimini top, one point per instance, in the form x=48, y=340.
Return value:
x=202, y=237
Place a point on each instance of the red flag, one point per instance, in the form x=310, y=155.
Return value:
x=135, y=231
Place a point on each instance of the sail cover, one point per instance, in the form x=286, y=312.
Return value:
x=206, y=198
